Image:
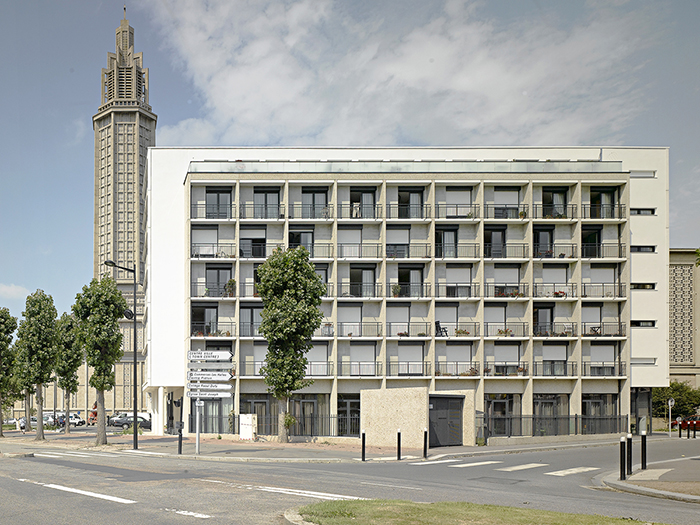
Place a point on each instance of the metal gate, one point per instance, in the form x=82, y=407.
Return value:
x=445, y=417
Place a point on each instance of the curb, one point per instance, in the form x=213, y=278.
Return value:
x=292, y=516
x=611, y=481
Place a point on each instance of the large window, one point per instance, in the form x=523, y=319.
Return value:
x=250, y=320
x=218, y=202
x=266, y=203
x=314, y=203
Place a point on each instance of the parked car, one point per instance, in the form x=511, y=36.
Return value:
x=74, y=420
x=118, y=415
x=126, y=422
x=686, y=420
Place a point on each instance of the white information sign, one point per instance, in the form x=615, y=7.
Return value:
x=208, y=394
x=209, y=355
x=209, y=376
x=209, y=386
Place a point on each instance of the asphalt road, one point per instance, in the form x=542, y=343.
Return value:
x=63, y=486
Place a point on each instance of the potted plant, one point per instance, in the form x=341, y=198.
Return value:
x=487, y=371
x=461, y=332
x=474, y=372
x=422, y=334
x=521, y=370
x=505, y=331
x=396, y=289
x=230, y=288
x=523, y=214
x=403, y=334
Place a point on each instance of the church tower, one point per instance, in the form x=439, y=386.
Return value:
x=124, y=126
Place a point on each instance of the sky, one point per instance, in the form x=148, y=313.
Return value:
x=333, y=73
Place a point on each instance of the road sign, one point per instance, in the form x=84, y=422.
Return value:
x=209, y=386
x=209, y=355
x=209, y=376
x=208, y=365
x=671, y=401
x=199, y=403
x=207, y=394
x=679, y=419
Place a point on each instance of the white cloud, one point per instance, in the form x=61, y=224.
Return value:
x=13, y=291
x=321, y=72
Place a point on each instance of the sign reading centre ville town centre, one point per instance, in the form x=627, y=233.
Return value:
x=209, y=355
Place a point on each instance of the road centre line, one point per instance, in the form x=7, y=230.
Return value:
x=434, y=462
x=386, y=485
x=81, y=492
x=36, y=455
x=477, y=464
x=523, y=467
x=576, y=470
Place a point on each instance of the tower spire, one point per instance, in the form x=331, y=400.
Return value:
x=124, y=11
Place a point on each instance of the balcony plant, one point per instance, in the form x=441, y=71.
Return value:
x=521, y=370
x=396, y=289
x=422, y=334
x=487, y=371
x=522, y=214
x=230, y=288
x=461, y=332
x=505, y=331
x=403, y=334
x=560, y=293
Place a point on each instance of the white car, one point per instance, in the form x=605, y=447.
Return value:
x=75, y=420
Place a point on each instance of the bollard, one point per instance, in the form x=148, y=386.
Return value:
x=680, y=430
x=398, y=445
x=425, y=443
x=629, y=454
x=623, y=471
x=364, y=444
x=179, y=441
x=644, y=450
x=688, y=434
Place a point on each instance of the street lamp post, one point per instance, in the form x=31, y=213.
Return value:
x=112, y=264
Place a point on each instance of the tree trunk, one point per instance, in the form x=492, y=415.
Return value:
x=101, y=429
x=66, y=396
x=27, y=411
x=282, y=431
x=39, y=412
x=2, y=417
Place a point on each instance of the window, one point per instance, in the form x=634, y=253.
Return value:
x=266, y=202
x=602, y=203
x=543, y=242
x=642, y=174
x=642, y=211
x=642, y=249
x=553, y=203
x=458, y=201
x=643, y=286
x=494, y=242
x=250, y=320
x=362, y=202
x=314, y=203
x=217, y=276
x=643, y=324
x=446, y=242
x=410, y=203
x=218, y=203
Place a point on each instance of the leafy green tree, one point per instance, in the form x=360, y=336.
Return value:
x=36, y=340
x=8, y=325
x=291, y=292
x=97, y=310
x=69, y=357
x=686, y=398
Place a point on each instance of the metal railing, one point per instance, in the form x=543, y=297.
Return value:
x=317, y=250
x=359, y=251
x=506, y=329
x=311, y=211
x=554, y=251
x=505, y=290
x=406, y=250
x=319, y=368
x=258, y=251
x=249, y=329
x=412, y=329
x=506, y=211
x=507, y=426
x=603, y=329
x=598, y=369
x=361, y=290
x=505, y=368
x=610, y=290
x=360, y=368
x=212, y=211
x=561, y=291
x=554, y=329
x=408, y=290
x=460, y=250
x=603, y=251
x=408, y=211
x=458, y=290
x=463, y=329
x=363, y=329
x=359, y=211
x=554, y=368
x=199, y=289
x=251, y=368
x=506, y=251
x=554, y=211
x=457, y=368
x=604, y=211
x=325, y=330
x=213, y=329
x=408, y=368
x=216, y=250
x=262, y=211
x=456, y=211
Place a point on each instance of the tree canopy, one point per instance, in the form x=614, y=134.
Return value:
x=8, y=386
x=69, y=357
x=686, y=398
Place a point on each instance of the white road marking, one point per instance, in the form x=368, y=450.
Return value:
x=434, y=462
x=386, y=485
x=280, y=490
x=188, y=513
x=477, y=464
x=36, y=455
x=81, y=492
x=567, y=472
x=132, y=451
x=523, y=467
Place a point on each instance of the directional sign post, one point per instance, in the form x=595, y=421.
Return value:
x=209, y=376
x=209, y=355
x=208, y=394
x=209, y=386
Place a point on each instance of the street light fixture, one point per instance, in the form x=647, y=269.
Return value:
x=131, y=315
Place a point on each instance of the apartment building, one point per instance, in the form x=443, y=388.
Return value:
x=500, y=283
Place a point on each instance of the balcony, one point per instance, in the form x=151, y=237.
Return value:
x=555, y=369
x=604, y=290
x=258, y=250
x=408, y=368
x=317, y=250
x=418, y=329
x=319, y=368
x=215, y=250
x=212, y=211
x=554, y=330
x=506, y=251
x=199, y=289
x=366, y=290
x=457, y=290
x=556, y=291
x=251, y=368
x=456, y=211
x=464, y=329
x=604, y=211
x=408, y=211
x=457, y=368
x=554, y=251
x=457, y=250
x=506, y=211
x=359, y=251
x=603, y=330
x=249, y=329
x=409, y=290
x=363, y=329
x=506, y=290
x=506, y=329
x=603, y=251
x=505, y=368
x=404, y=250
x=554, y=211
x=605, y=369
x=311, y=211
x=262, y=211
x=357, y=210
x=213, y=329
x=325, y=330
x=360, y=368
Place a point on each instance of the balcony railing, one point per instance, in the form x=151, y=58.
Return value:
x=325, y=330
x=417, y=329
x=359, y=211
x=458, y=290
x=363, y=329
x=505, y=290
x=402, y=251
x=214, y=329
x=505, y=368
x=506, y=211
x=554, y=211
x=319, y=368
x=408, y=290
x=216, y=250
x=408, y=211
x=496, y=426
x=408, y=368
x=360, y=368
x=604, y=211
x=311, y=211
x=251, y=368
x=259, y=250
x=262, y=211
x=249, y=329
x=213, y=211
x=603, y=251
x=506, y=329
x=506, y=251
x=561, y=291
x=609, y=290
x=554, y=368
x=602, y=329
x=456, y=211
x=612, y=369
x=457, y=250
x=317, y=250
x=359, y=251
x=457, y=368
x=554, y=330
x=248, y=290
x=464, y=329
x=199, y=289
x=361, y=290
x=554, y=251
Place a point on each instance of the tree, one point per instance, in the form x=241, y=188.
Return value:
x=8, y=325
x=69, y=357
x=291, y=292
x=686, y=398
x=97, y=311
x=36, y=340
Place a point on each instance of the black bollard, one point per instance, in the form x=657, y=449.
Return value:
x=398, y=445
x=644, y=450
x=364, y=444
x=629, y=454
x=680, y=430
x=179, y=441
x=688, y=433
x=425, y=443
x=622, y=459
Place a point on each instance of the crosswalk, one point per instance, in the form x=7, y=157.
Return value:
x=456, y=463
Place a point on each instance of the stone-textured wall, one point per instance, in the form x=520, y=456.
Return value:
x=385, y=411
